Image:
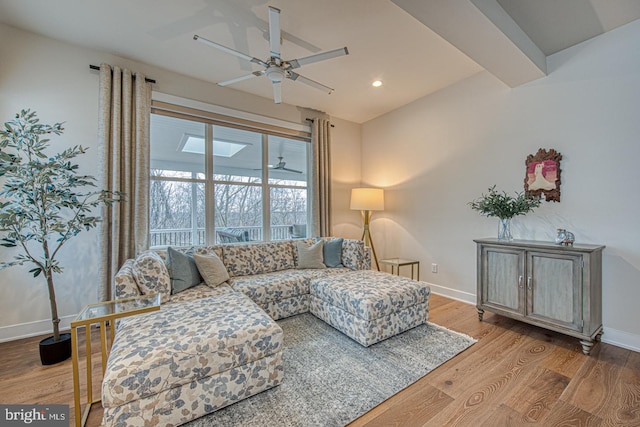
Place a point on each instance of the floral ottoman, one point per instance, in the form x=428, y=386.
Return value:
x=370, y=306
x=189, y=359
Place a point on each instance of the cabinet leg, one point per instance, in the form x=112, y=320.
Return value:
x=586, y=346
x=480, y=313
x=599, y=336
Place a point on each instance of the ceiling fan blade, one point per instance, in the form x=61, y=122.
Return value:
x=309, y=82
x=277, y=92
x=291, y=170
x=274, y=31
x=230, y=51
x=239, y=79
x=322, y=56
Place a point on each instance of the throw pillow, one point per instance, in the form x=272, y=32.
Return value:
x=310, y=256
x=183, y=271
x=151, y=274
x=332, y=253
x=212, y=269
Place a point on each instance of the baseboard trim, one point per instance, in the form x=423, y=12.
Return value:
x=455, y=294
x=611, y=336
x=32, y=329
x=621, y=339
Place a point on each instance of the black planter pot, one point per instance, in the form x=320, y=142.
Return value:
x=52, y=352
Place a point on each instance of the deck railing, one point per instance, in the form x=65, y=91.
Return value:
x=186, y=237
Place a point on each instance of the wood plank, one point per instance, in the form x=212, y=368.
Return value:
x=499, y=380
x=539, y=396
x=23, y=380
x=504, y=416
x=416, y=404
x=598, y=376
x=565, y=414
x=454, y=376
x=567, y=358
x=625, y=401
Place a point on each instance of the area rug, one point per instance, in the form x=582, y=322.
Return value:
x=330, y=380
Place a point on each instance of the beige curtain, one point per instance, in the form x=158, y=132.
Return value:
x=321, y=178
x=123, y=132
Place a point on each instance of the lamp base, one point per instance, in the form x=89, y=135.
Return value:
x=366, y=235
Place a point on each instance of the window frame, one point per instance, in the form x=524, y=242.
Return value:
x=211, y=119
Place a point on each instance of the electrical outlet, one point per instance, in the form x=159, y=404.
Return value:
x=434, y=268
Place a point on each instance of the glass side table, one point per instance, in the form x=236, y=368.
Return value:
x=102, y=313
x=396, y=263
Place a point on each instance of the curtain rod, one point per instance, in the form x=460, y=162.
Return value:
x=311, y=120
x=146, y=79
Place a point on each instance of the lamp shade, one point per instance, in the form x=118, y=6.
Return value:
x=367, y=199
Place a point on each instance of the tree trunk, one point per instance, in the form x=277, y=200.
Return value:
x=54, y=306
x=48, y=273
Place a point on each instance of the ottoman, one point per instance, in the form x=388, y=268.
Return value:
x=186, y=360
x=369, y=306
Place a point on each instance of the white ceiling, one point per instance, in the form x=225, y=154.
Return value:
x=413, y=55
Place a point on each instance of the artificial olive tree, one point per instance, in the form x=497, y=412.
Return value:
x=44, y=202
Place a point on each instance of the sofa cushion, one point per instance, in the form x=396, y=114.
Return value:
x=212, y=269
x=310, y=256
x=275, y=286
x=184, y=343
x=244, y=259
x=200, y=291
x=183, y=271
x=125, y=284
x=332, y=253
x=151, y=274
x=206, y=250
x=354, y=255
x=369, y=294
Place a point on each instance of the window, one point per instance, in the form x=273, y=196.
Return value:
x=214, y=183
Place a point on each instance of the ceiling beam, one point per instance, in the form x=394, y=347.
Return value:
x=483, y=31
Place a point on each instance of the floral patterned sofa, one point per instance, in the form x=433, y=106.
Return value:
x=209, y=346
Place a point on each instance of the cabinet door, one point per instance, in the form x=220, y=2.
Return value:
x=502, y=279
x=554, y=288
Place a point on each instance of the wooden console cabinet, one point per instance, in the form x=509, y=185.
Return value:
x=544, y=284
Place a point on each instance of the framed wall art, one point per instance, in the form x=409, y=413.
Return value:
x=542, y=175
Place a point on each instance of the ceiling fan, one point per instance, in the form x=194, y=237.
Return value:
x=281, y=166
x=277, y=69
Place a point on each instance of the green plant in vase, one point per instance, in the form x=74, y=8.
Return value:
x=505, y=207
x=44, y=203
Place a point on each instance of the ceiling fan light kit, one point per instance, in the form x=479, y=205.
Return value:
x=277, y=69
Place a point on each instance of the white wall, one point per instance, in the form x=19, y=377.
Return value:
x=438, y=153
x=54, y=79
x=346, y=172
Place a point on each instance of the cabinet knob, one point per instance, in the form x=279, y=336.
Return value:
x=529, y=282
x=520, y=281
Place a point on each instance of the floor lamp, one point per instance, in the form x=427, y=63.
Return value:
x=367, y=200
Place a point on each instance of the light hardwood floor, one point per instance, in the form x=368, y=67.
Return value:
x=515, y=375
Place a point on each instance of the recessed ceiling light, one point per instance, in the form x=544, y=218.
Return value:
x=377, y=83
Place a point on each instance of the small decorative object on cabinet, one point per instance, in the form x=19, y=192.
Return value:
x=565, y=237
x=554, y=287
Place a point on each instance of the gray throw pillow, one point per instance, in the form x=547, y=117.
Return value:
x=310, y=256
x=332, y=253
x=212, y=269
x=182, y=270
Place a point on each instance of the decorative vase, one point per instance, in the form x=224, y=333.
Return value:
x=504, y=229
